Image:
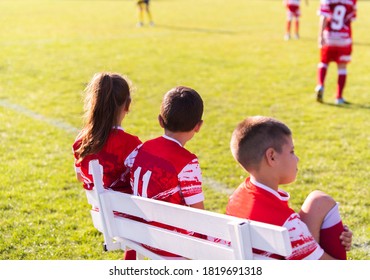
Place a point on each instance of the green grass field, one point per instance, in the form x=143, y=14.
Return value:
x=232, y=52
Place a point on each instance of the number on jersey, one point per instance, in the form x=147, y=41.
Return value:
x=145, y=179
x=337, y=21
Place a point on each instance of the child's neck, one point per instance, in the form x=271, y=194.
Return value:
x=181, y=137
x=267, y=181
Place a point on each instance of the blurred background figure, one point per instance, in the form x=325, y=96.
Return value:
x=292, y=12
x=335, y=43
x=144, y=8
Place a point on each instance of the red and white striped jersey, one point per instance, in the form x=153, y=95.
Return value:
x=339, y=15
x=164, y=170
x=254, y=201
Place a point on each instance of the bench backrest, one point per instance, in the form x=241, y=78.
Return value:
x=239, y=235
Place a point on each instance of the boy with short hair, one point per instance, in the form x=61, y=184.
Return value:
x=264, y=148
x=162, y=168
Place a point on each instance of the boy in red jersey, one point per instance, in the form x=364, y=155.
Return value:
x=162, y=168
x=292, y=12
x=264, y=147
x=335, y=42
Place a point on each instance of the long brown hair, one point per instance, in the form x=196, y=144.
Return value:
x=105, y=95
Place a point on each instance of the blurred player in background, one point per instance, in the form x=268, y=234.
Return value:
x=292, y=12
x=144, y=7
x=335, y=42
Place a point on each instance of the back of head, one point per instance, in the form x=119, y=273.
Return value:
x=106, y=95
x=253, y=136
x=181, y=109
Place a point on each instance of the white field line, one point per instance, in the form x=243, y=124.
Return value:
x=216, y=186
x=53, y=122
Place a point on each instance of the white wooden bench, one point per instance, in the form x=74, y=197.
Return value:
x=121, y=233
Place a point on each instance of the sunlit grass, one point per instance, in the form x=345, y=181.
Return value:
x=227, y=50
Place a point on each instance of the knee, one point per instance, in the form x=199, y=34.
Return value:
x=318, y=200
x=321, y=196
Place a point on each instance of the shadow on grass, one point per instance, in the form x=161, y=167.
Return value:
x=350, y=105
x=366, y=44
x=196, y=29
x=355, y=43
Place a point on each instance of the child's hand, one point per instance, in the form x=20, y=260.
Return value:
x=346, y=238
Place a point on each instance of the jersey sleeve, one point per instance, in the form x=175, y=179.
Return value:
x=324, y=9
x=353, y=14
x=304, y=245
x=190, y=179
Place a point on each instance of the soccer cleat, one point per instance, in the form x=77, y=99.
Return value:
x=340, y=101
x=296, y=36
x=151, y=23
x=319, y=89
x=139, y=24
x=287, y=37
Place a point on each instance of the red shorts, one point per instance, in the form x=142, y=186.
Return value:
x=292, y=11
x=336, y=54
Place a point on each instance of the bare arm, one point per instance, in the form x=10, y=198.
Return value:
x=322, y=25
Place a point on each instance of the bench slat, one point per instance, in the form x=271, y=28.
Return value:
x=171, y=241
x=201, y=221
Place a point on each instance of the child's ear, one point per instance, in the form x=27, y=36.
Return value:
x=161, y=121
x=270, y=156
x=198, y=126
